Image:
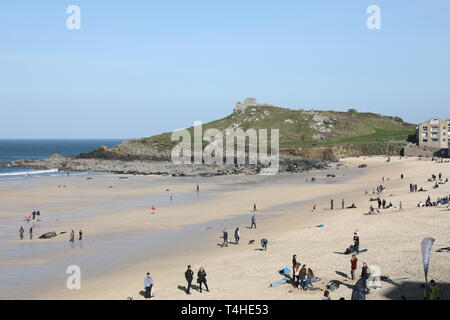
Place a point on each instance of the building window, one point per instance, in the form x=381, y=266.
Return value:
x=424, y=140
x=425, y=128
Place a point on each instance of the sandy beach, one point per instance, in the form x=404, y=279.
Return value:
x=123, y=239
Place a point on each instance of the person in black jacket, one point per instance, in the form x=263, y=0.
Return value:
x=189, y=274
x=201, y=279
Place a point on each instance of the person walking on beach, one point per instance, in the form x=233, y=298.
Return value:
x=21, y=231
x=31, y=233
x=225, y=238
x=254, y=207
x=34, y=214
x=237, y=236
x=253, y=222
x=354, y=266
x=148, y=284
x=400, y=206
x=201, y=279
x=80, y=235
x=198, y=188
x=356, y=240
x=402, y=176
x=72, y=237
x=38, y=215
x=331, y=204
x=343, y=204
x=189, y=275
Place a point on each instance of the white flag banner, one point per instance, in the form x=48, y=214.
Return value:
x=427, y=243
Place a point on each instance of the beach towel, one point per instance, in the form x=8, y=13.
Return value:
x=399, y=278
x=278, y=282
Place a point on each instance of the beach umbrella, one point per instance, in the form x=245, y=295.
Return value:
x=426, y=245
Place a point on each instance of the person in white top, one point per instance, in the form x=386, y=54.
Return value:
x=326, y=295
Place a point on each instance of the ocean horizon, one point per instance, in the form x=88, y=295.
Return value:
x=33, y=149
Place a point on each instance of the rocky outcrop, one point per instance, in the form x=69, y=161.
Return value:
x=286, y=164
x=130, y=150
x=240, y=107
x=48, y=235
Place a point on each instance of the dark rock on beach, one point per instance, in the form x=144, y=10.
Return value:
x=48, y=235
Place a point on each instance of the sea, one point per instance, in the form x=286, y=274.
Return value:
x=11, y=150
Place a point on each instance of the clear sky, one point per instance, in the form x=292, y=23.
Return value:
x=137, y=68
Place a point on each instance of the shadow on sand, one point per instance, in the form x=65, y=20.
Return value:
x=412, y=290
x=183, y=288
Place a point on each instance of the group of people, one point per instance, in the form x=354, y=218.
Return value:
x=201, y=279
x=72, y=236
x=302, y=277
x=237, y=233
x=189, y=276
x=414, y=188
x=35, y=216
x=22, y=231
x=429, y=203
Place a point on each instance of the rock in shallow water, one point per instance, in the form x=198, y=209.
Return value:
x=48, y=235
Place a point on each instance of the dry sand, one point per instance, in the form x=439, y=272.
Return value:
x=243, y=272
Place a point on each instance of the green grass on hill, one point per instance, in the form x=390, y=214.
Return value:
x=300, y=128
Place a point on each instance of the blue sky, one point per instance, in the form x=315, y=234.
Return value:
x=137, y=68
